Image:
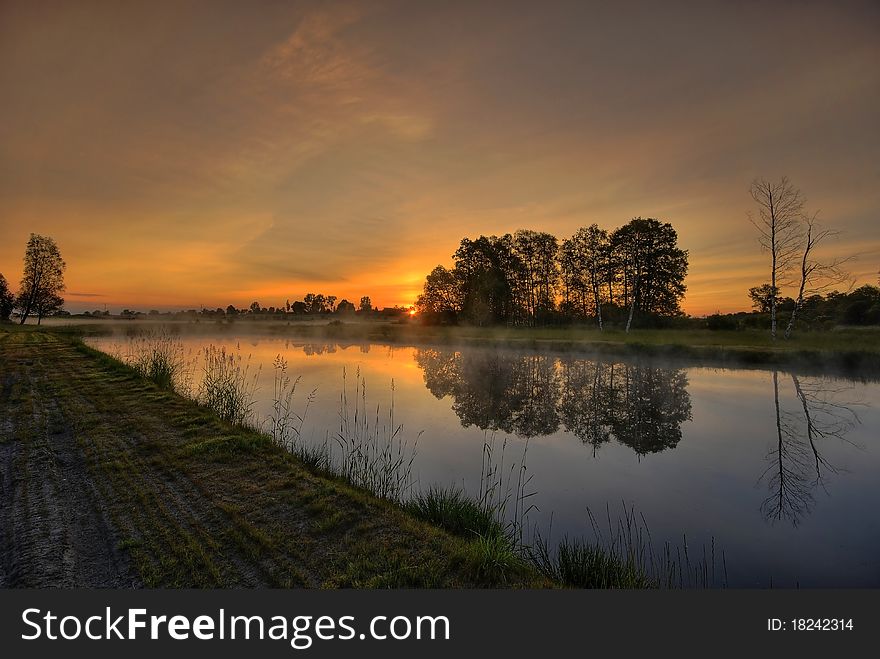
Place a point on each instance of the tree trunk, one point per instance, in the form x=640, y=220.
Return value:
x=773, y=296
x=632, y=306
x=797, y=307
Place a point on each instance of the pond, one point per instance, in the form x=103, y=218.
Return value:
x=780, y=470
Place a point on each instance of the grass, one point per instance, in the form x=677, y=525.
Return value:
x=196, y=501
x=579, y=564
x=226, y=387
x=623, y=555
x=452, y=510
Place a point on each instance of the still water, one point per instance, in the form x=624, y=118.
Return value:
x=781, y=469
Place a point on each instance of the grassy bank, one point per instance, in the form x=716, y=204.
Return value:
x=185, y=499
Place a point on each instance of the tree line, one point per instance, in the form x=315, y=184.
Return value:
x=633, y=273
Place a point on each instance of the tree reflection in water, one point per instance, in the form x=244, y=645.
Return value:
x=796, y=465
x=638, y=404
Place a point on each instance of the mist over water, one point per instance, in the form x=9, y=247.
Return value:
x=781, y=469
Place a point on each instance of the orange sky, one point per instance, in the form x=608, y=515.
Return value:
x=194, y=154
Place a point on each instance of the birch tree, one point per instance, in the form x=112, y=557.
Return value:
x=780, y=211
x=815, y=276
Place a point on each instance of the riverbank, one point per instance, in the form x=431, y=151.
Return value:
x=110, y=481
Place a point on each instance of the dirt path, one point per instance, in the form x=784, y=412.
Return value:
x=107, y=480
x=55, y=529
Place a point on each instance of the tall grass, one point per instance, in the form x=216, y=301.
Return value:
x=494, y=521
x=451, y=509
x=374, y=454
x=285, y=423
x=159, y=356
x=623, y=555
x=227, y=388
x=505, y=490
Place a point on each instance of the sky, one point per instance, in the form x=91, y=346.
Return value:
x=197, y=154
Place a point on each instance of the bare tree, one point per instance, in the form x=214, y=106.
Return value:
x=780, y=209
x=816, y=276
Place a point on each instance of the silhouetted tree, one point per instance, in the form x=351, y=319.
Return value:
x=442, y=293
x=366, y=305
x=42, y=280
x=762, y=297
x=345, y=307
x=7, y=300
x=780, y=210
x=815, y=276
x=653, y=267
x=486, y=268
x=584, y=260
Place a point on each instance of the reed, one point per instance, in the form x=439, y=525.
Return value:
x=227, y=387
x=373, y=452
x=159, y=356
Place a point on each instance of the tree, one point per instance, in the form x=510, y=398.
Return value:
x=816, y=276
x=345, y=307
x=652, y=265
x=762, y=297
x=366, y=305
x=780, y=210
x=7, y=300
x=583, y=262
x=488, y=270
x=442, y=292
x=42, y=280
x=537, y=277
x=255, y=307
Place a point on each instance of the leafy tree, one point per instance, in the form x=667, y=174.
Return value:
x=762, y=297
x=345, y=307
x=653, y=267
x=442, y=293
x=584, y=261
x=366, y=305
x=536, y=279
x=7, y=300
x=43, y=279
x=486, y=268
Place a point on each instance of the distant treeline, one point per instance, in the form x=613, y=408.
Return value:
x=858, y=307
x=634, y=274
x=311, y=305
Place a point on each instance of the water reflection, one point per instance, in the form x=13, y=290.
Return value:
x=796, y=465
x=640, y=405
